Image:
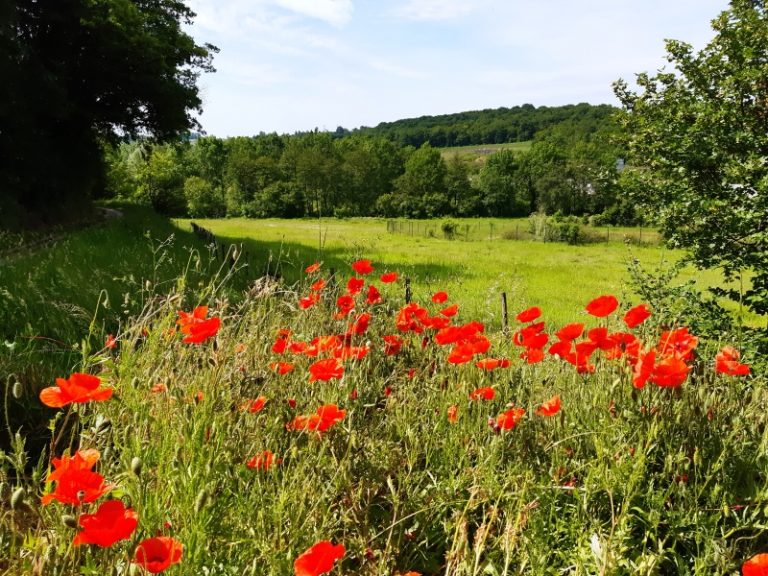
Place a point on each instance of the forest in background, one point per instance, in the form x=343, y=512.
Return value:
x=394, y=170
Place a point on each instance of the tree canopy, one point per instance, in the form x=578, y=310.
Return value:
x=698, y=147
x=76, y=72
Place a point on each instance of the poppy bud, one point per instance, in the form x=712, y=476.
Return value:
x=69, y=521
x=50, y=555
x=200, y=501
x=17, y=498
x=80, y=495
x=17, y=389
x=5, y=488
x=136, y=465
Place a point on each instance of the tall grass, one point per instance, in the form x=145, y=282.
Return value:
x=621, y=481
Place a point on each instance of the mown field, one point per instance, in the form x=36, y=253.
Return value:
x=318, y=413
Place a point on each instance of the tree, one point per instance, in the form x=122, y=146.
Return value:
x=698, y=142
x=421, y=188
x=79, y=71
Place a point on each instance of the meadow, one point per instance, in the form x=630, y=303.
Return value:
x=318, y=424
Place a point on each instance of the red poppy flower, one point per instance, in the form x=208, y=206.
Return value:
x=550, y=407
x=362, y=267
x=355, y=285
x=345, y=304
x=602, y=306
x=76, y=486
x=312, y=268
x=529, y=315
x=756, y=566
x=201, y=331
x=111, y=523
x=679, y=342
x=326, y=370
x=374, y=296
x=450, y=311
x=317, y=285
x=643, y=369
x=486, y=393
x=110, y=343
x=325, y=417
x=158, y=388
x=670, y=372
x=570, y=332
x=507, y=420
x=262, y=461
x=360, y=325
x=347, y=352
x=532, y=355
x=492, y=363
x=81, y=460
x=452, y=413
x=257, y=405
x=389, y=277
x=439, y=297
x=158, y=554
x=727, y=362
x=188, y=318
x=319, y=559
x=79, y=388
x=309, y=301
x=281, y=368
x=637, y=315
x=392, y=344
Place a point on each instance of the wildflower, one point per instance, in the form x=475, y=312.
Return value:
x=111, y=523
x=77, y=485
x=507, y=420
x=602, y=306
x=450, y=311
x=392, y=344
x=727, y=362
x=188, y=318
x=486, y=393
x=282, y=368
x=360, y=324
x=257, y=405
x=679, y=342
x=158, y=388
x=312, y=268
x=550, y=407
x=452, y=413
x=362, y=267
x=637, y=315
x=319, y=559
x=345, y=304
x=262, y=461
x=325, y=417
x=355, y=285
x=157, y=554
x=318, y=285
x=374, y=296
x=439, y=297
x=110, y=343
x=529, y=315
x=570, y=332
x=389, y=277
x=308, y=301
x=756, y=566
x=78, y=388
x=326, y=370
x=81, y=460
x=492, y=363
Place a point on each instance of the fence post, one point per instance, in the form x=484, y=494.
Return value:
x=504, y=315
x=517, y=231
x=407, y=290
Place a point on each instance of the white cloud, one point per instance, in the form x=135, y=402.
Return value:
x=436, y=9
x=335, y=12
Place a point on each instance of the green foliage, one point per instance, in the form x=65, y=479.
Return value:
x=77, y=72
x=698, y=139
x=203, y=200
x=557, y=228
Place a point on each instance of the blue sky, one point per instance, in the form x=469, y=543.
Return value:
x=289, y=65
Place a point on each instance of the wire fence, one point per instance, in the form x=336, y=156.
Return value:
x=516, y=230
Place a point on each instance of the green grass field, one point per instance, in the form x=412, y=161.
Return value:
x=557, y=277
x=414, y=459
